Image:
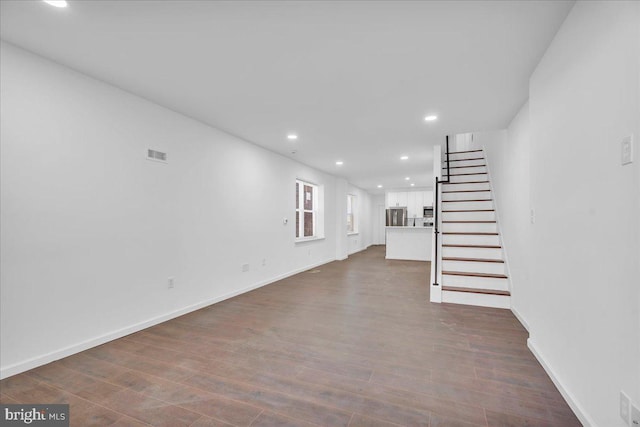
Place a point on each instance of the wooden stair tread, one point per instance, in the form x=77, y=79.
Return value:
x=465, y=182
x=469, y=200
x=465, y=191
x=469, y=222
x=460, y=152
x=461, y=167
x=472, y=259
x=470, y=210
x=463, y=174
x=476, y=291
x=470, y=233
x=469, y=274
x=472, y=246
x=463, y=160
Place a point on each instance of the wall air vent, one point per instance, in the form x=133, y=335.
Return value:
x=156, y=156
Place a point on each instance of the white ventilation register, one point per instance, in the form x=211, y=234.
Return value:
x=156, y=156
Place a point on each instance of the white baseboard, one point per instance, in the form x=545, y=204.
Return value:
x=360, y=249
x=17, y=368
x=520, y=318
x=577, y=409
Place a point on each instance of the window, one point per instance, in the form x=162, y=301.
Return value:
x=351, y=216
x=306, y=209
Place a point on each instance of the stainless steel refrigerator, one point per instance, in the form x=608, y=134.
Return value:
x=397, y=217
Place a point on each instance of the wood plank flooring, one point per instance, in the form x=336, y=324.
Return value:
x=351, y=343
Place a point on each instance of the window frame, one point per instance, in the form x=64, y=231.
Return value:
x=352, y=211
x=301, y=210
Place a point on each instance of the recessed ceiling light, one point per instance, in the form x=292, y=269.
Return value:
x=412, y=184
x=404, y=158
x=430, y=118
x=57, y=3
x=407, y=178
x=379, y=185
x=339, y=163
x=292, y=136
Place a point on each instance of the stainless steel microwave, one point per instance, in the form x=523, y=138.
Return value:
x=428, y=211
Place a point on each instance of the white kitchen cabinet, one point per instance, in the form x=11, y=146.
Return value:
x=419, y=204
x=412, y=200
x=391, y=200
x=403, y=199
x=397, y=199
x=428, y=198
x=411, y=243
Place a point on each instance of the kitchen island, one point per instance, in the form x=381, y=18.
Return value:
x=409, y=243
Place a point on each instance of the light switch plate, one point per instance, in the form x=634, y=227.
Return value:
x=625, y=407
x=635, y=416
x=627, y=149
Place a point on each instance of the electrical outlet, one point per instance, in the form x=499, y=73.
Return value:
x=625, y=407
x=245, y=268
x=533, y=216
x=635, y=416
x=264, y=262
x=170, y=282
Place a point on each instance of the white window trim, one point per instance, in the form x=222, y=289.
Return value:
x=308, y=239
x=314, y=211
x=354, y=213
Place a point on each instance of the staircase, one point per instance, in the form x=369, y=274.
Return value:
x=473, y=267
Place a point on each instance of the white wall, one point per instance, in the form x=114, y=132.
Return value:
x=91, y=230
x=378, y=219
x=507, y=156
x=364, y=219
x=579, y=293
x=342, y=240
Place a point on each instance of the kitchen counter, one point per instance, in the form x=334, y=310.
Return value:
x=409, y=243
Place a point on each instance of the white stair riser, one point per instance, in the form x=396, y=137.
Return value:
x=463, y=172
x=467, y=178
x=475, y=282
x=464, y=163
x=471, y=252
x=459, y=170
x=469, y=216
x=467, y=205
x=461, y=239
x=461, y=187
x=496, y=301
x=458, y=156
x=470, y=239
x=473, y=266
x=466, y=196
x=473, y=227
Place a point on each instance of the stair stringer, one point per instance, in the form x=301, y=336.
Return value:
x=498, y=223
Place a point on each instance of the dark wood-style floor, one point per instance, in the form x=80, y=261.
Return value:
x=352, y=343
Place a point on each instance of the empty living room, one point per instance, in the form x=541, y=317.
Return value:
x=319, y=213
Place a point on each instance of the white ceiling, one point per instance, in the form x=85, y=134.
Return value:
x=354, y=79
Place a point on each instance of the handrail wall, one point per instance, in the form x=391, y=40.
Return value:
x=436, y=213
